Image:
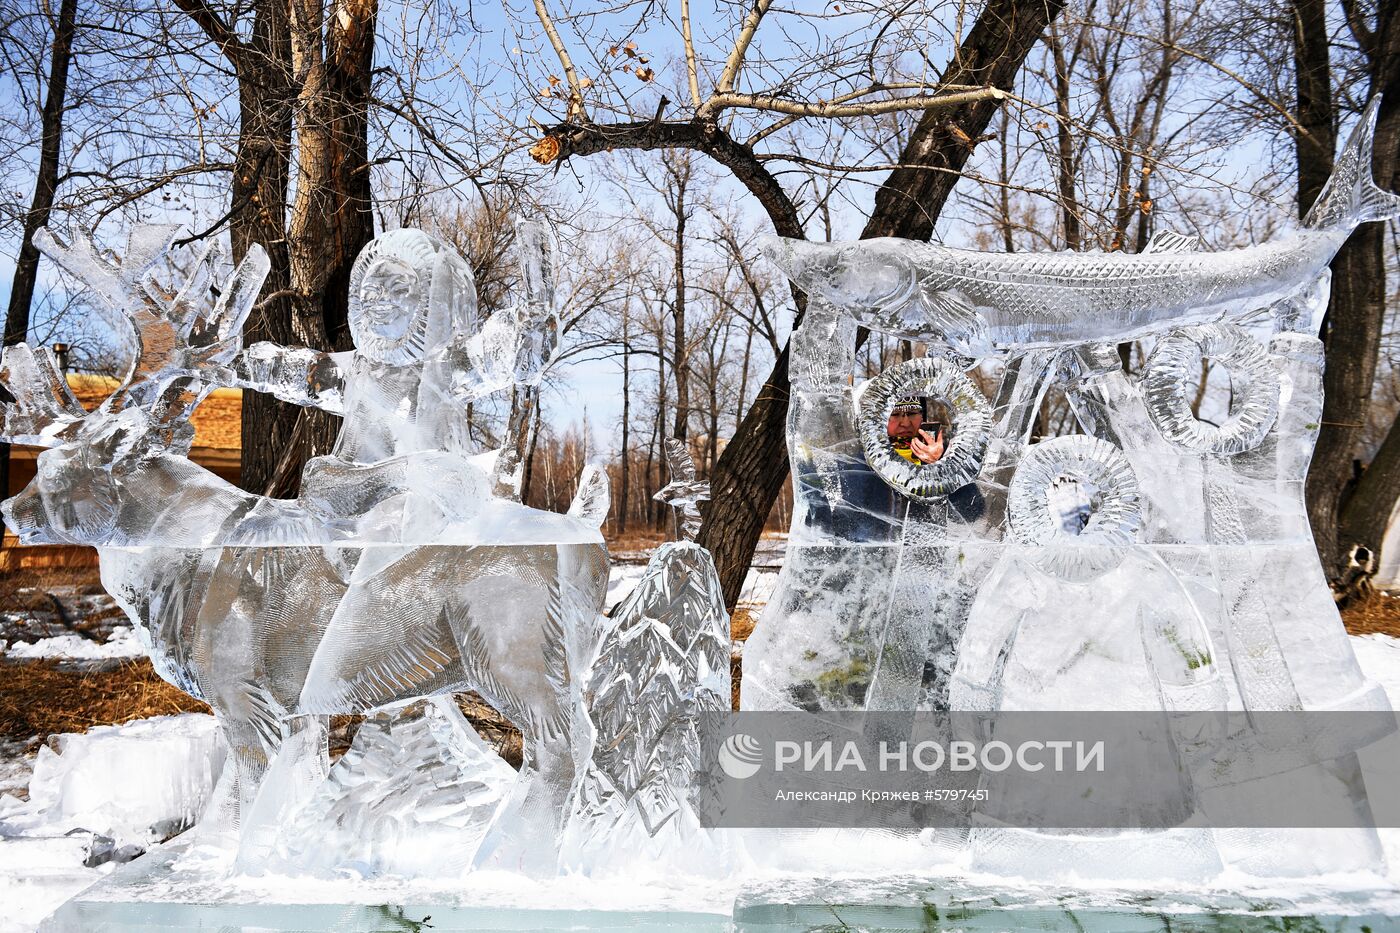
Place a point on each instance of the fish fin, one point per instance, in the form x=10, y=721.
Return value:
x=1166, y=241
x=1351, y=197
x=958, y=322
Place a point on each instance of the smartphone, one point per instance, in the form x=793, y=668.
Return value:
x=933, y=427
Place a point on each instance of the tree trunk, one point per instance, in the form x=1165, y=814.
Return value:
x=262, y=165
x=747, y=479
x=743, y=381
x=331, y=218
x=752, y=470
x=647, y=487
x=910, y=200
x=45, y=186
x=1065, y=167
x=658, y=510
x=680, y=362
x=1352, y=326
x=530, y=457
x=626, y=420
x=46, y=179
x=1355, y=326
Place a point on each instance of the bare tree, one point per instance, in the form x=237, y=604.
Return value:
x=838, y=81
x=17, y=316
x=1349, y=521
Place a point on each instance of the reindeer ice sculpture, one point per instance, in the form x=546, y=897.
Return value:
x=406, y=568
x=1153, y=560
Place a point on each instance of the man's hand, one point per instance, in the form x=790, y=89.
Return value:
x=925, y=447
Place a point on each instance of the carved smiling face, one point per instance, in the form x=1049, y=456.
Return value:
x=390, y=297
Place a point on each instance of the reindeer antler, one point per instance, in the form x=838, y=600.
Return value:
x=114, y=280
x=43, y=407
x=187, y=328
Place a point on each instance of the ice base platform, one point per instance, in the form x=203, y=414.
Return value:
x=162, y=891
x=920, y=904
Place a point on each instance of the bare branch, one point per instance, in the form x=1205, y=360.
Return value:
x=566, y=140
x=827, y=110
x=575, y=110
x=741, y=47
x=216, y=29
x=691, y=70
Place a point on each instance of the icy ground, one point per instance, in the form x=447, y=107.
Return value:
x=97, y=799
x=66, y=622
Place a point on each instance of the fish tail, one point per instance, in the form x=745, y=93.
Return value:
x=1351, y=197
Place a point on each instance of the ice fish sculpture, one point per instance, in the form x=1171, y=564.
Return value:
x=981, y=303
x=406, y=568
x=1152, y=562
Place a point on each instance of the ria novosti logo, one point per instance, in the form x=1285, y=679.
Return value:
x=741, y=756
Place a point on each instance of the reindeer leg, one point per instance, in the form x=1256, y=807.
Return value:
x=291, y=777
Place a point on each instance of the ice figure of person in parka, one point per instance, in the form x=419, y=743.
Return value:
x=422, y=356
x=1078, y=616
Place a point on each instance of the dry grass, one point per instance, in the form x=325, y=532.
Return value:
x=41, y=698
x=741, y=623
x=637, y=540
x=1376, y=613
x=48, y=578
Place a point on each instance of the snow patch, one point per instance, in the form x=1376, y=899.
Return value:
x=37, y=875
x=1379, y=657
x=123, y=643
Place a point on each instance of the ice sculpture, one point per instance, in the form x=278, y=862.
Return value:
x=406, y=568
x=1153, y=562
x=1150, y=562
x=662, y=664
x=412, y=797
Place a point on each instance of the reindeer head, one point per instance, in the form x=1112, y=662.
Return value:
x=187, y=323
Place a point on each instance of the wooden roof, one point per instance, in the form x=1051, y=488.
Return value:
x=218, y=421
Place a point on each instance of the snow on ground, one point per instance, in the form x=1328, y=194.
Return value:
x=629, y=566
x=1379, y=657
x=37, y=875
x=121, y=643
x=758, y=585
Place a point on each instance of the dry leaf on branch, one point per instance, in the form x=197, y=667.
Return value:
x=546, y=150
